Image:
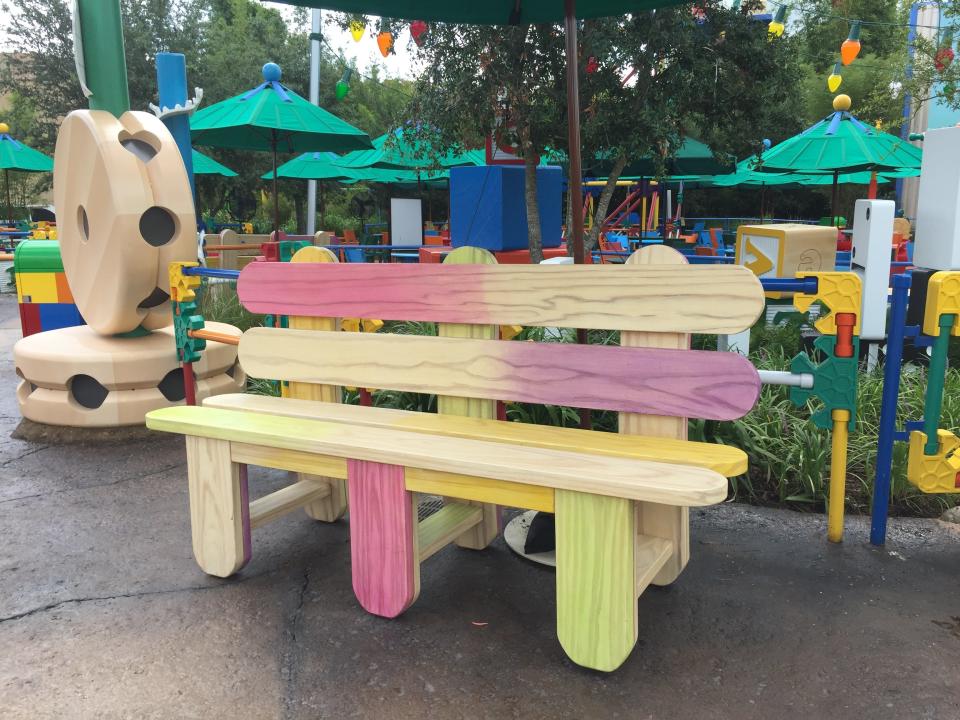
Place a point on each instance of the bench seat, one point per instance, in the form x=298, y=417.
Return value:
x=608, y=475
x=723, y=459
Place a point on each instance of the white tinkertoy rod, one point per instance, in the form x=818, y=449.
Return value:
x=782, y=377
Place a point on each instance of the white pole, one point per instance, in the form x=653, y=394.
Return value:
x=315, y=99
x=781, y=377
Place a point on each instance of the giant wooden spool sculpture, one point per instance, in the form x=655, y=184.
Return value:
x=125, y=212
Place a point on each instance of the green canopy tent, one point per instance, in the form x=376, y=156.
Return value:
x=14, y=155
x=840, y=144
x=397, y=151
x=273, y=118
x=513, y=12
x=206, y=165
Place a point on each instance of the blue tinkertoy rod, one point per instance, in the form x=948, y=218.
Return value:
x=212, y=273
x=807, y=286
x=888, y=409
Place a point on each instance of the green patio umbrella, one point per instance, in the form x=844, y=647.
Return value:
x=513, y=12
x=206, y=165
x=273, y=118
x=325, y=166
x=15, y=155
x=693, y=157
x=839, y=144
x=397, y=151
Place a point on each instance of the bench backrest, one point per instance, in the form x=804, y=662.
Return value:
x=468, y=299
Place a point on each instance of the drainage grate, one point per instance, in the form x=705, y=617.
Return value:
x=428, y=505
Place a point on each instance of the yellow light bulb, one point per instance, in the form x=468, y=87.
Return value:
x=776, y=28
x=833, y=82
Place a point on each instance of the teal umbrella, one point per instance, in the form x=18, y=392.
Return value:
x=513, y=12
x=271, y=117
x=206, y=165
x=14, y=155
x=325, y=166
x=397, y=151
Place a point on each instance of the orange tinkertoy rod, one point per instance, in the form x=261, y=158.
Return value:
x=214, y=336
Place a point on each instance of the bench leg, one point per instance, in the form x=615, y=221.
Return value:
x=219, y=507
x=484, y=532
x=670, y=523
x=332, y=507
x=596, y=590
x=383, y=538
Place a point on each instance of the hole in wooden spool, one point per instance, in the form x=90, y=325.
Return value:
x=158, y=226
x=87, y=391
x=157, y=297
x=83, y=224
x=143, y=145
x=171, y=387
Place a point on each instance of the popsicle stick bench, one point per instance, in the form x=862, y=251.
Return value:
x=620, y=500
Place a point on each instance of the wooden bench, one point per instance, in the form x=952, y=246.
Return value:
x=620, y=500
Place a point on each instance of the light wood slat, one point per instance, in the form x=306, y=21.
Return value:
x=710, y=385
x=694, y=298
x=669, y=522
x=482, y=533
x=483, y=490
x=270, y=507
x=438, y=530
x=282, y=459
x=724, y=459
x=652, y=553
x=430, y=482
x=602, y=475
x=334, y=505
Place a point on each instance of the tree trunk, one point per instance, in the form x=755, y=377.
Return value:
x=535, y=242
x=568, y=225
x=603, y=203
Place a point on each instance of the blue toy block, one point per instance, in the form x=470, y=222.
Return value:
x=488, y=207
x=59, y=315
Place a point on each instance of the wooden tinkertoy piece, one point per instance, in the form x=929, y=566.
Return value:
x=620, y=500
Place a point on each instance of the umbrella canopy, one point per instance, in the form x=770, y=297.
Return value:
x=274, y=118
x=325, y=166
x=206, y=165
x=504, y=12
x=747, y=176
x=491, y=12
x=693, y=157
x=840, y=143
x=397, y=151
x=15, y=155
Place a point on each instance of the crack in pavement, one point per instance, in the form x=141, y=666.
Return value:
x=94, y=487
x=289, y=656
x=122, y=596
x=26, y=454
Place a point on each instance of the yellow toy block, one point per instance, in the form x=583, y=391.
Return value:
x=839, y=291
x=183, y=287
x=943, y=298
x=356, y=324
x=938, y=473
x=37, y=288
x=509, y=332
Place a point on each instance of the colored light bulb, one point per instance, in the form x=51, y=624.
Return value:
x=417, y=30
x=834, y=79
x=343, y=84
x=385, y=42
x=592, y=65
x=851, y=46
x=943, y=59
x=357, y=28
x=778, y=24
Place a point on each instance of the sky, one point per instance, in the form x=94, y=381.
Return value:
x=365, y=53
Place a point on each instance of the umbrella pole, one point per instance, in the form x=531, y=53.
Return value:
x=6, y=181
x=276, y=197
x=573, y=116
x=836, y=198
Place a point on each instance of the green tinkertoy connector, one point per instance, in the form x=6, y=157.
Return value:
x=186, y=318
x=834, y=382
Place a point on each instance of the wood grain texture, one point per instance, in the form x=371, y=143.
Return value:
x=384, y=556
x=724, y=459
x=710, y=385
x=451, y=521
x=694, y=298
x=483, y=533
x=333, y=506
x=480, y=490
x=218, y=509
x=270, y=507
x=596, y=590
x=280, y=459
x=600, y=474
x=669, y=522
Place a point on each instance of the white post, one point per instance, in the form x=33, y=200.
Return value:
x=315, y=99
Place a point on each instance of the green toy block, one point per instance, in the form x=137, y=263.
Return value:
x=187, y=319
x=834, y=382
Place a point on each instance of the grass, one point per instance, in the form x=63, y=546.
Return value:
x=789, y=456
